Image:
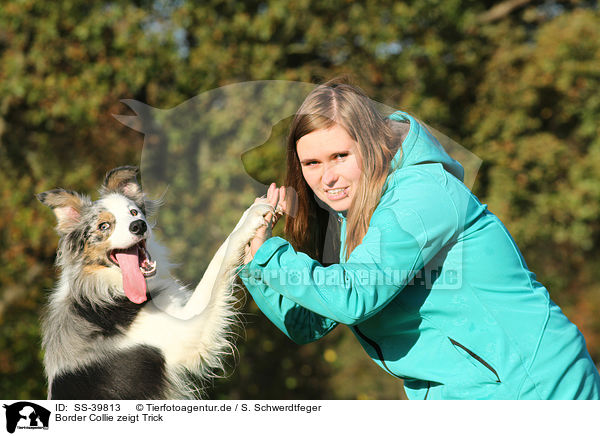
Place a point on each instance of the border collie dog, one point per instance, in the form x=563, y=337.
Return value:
x=117, y=326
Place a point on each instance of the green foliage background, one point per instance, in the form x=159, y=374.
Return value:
x=517, y=85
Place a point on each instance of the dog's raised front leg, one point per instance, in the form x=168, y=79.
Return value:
x=198, y=329
x=222, y=268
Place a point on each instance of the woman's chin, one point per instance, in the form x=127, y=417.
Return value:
x=339, y=206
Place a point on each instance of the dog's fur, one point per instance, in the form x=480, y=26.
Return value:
x=100, y=343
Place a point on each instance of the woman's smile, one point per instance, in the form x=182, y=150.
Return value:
x=336, y=194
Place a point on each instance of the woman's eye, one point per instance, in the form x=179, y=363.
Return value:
x=104, y=226
x=341, y=155
x=134, y=212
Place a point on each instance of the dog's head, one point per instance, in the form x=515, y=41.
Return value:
x=108, y=235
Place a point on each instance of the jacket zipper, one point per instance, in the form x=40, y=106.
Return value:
x=379, y=352
x=476, y=357
x=377, y=348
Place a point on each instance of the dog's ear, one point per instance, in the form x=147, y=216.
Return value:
x=124, y=181
x=66, y=205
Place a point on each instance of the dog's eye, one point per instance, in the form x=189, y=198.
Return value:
x=133, y=212
x=104, y=226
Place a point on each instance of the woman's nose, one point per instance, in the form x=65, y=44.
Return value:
x=330, y=175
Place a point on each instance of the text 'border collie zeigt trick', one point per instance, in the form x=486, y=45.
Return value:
x=117, y=326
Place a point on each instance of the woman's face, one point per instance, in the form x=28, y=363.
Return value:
x=330, y=165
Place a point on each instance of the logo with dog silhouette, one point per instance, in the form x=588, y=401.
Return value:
x=26, y=415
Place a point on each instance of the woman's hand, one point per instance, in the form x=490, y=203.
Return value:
x=276, y=198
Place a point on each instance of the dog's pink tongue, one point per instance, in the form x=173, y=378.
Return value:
x=134, y=282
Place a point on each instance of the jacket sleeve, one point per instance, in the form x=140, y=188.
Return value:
x=414, y=220
x=296, y=322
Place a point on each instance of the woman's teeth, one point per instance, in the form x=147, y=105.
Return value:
x=337, y=194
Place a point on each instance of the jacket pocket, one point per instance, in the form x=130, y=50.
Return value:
x=377, y=349
x=477, y=361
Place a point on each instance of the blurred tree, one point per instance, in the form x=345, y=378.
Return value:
x=535, y=125
x=516, y=82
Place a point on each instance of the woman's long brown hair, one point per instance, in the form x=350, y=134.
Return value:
x=337, y=102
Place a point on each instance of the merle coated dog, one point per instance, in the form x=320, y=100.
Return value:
x=117, y=326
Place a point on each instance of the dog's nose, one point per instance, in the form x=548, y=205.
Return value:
x=138, y=227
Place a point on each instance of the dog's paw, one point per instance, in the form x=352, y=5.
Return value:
x=261, y=207
x=252, y=220
x=257, y=217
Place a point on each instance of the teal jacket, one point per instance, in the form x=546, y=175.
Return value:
x=437, y=293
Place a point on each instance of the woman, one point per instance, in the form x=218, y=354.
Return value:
x=430, y=282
